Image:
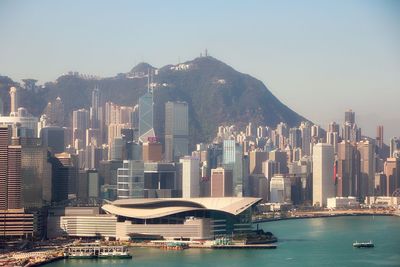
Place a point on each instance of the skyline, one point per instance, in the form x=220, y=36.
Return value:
x=346, y=49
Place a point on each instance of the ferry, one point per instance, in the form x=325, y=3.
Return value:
x=95, y=250
x=363, y=244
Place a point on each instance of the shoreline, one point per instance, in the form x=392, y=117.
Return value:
x=319, y=215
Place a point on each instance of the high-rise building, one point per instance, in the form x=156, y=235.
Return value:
x=323, y=182
x=305, y=129
x=146, y=127
x=394, y=146
x=5, y=139
x=221, y=182
x=233, y=160
x=10, y=171
x=349, y=116
x=281, y=158
x=176, y=130
x=332, y=138
x=294, y=137
x=392, y=173
x=130, y=179
x=190, y=176
x=54, y=113
x=256, y=160
x=94, y=110
x=53, y=138
x=347, y=170
x=14, y=179
x=280, y=189
x=152, y=152
x=350, y=131
x=14, y=101
x=35, y=172
x=367, y=168
x=80, y=122
x=379, y=136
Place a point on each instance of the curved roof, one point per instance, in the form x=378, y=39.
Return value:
x=149, y=208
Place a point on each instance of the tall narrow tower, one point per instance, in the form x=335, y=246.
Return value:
x=94, y=111
x=14, y=101
x=146, y=110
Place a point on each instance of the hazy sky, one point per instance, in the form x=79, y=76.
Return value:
x=317, y=57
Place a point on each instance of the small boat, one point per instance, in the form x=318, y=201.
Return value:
x=363, y=244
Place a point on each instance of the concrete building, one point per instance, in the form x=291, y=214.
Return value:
x=323, y=180
x=348, y=174
x=15, y=223
x=130, y=179
x=194, y=218
x=10, y=171
x=80, y=122
x=53, y=138
x=256, y=159
x=176, y=130
x=281, y=158
x=366, y=150
x=342, y=203
x=36, y=173
x=152, y=152
x=280, y=189
x=392, y=172
x=221, y=182
x=190, y=177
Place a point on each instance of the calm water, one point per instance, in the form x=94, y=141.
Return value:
x=306, y=242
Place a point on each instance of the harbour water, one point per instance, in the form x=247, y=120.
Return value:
x=303, y=242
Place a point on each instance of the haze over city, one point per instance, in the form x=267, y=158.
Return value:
x=318, y=58
x=234, y=133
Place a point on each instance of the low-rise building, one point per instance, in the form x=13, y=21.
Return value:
x=342, y=203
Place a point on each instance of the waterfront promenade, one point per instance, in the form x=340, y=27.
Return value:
x=295, y=214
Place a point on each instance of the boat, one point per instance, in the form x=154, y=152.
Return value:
x=95, y=250
x=368, y=244
x=114, y=252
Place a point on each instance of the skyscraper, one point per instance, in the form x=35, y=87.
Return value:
x=5, y=137
x=10, y=171
x=233, y=160
x=36, y=173
x=394, y=146
x=347, y=169
x=367, y=167
x=14, y=180
x=379, y=136
x=305, y=129
x=176, y=130
x=80, y=122
x=349, y=116
x=146, y=127
x=323, y=182
x=53, y=138
x=94, y=110
x=190, y=176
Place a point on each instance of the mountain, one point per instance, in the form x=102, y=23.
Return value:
x=216, y=93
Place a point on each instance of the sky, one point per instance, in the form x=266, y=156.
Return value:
x=318, y=57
